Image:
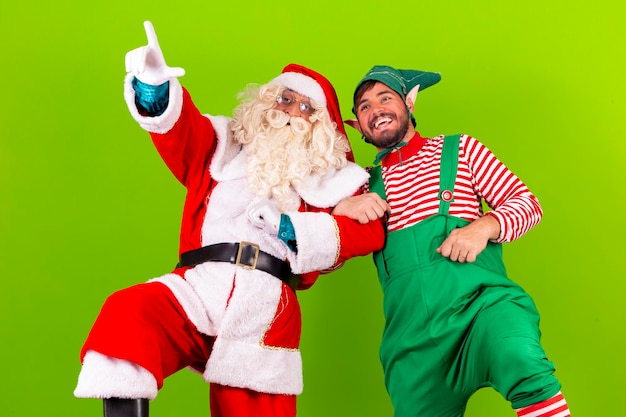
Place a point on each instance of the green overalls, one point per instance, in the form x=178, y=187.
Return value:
x=452, y=328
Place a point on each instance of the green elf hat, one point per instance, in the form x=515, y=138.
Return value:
x=400, y=81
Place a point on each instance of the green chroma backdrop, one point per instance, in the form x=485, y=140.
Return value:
x=87, y=206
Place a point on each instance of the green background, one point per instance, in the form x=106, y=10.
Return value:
x=88, y=207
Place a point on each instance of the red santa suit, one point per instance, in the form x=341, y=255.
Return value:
x=247, y=320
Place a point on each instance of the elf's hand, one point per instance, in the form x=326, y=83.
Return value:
x=147, y=62
x=264, y=215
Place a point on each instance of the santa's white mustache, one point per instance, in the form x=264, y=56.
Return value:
x=278, y=119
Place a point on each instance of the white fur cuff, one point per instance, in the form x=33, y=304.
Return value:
x=317, y=238
x=262, y=369
x=159, y=124
x=105, y=377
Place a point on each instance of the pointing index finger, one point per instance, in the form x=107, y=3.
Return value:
x=151, y=35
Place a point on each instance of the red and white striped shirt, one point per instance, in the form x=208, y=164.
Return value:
x=411, y=177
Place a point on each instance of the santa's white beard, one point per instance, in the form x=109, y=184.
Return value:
x=278, y=158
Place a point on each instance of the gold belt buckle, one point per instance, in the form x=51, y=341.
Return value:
x=240, y=250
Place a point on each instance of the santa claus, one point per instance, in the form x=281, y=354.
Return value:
x=256, y=226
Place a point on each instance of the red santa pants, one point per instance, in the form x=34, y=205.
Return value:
x=146, y=325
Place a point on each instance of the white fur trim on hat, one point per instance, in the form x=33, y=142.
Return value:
x=302, y=84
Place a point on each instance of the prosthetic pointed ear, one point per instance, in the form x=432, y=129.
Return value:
x=354, y=123
x=410, y=98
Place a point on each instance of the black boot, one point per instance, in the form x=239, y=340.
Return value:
x=123, y=407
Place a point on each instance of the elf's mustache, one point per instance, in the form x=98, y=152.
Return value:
x=373, y=122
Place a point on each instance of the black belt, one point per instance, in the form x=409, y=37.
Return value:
x=245, y=254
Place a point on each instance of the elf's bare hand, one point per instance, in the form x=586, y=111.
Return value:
x=363, y=207
x=466, y=243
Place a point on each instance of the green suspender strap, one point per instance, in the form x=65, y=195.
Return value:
x=376, y=184
x=447, y=172
x=491, y=257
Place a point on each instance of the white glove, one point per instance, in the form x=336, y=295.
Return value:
x=264, y=215
x=147, y=62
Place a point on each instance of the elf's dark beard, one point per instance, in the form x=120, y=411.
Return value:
x=389, y=138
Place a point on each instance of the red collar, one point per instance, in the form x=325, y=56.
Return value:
x=413, y=147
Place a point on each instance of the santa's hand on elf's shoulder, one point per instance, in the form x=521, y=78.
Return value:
x=147, y=63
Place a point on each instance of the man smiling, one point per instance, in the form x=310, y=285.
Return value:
x=454, y=321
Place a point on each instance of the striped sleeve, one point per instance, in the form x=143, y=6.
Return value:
x=512, y=203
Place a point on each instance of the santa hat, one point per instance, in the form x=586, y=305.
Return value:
x=314, y=85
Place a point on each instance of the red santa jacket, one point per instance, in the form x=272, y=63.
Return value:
x=199, y=151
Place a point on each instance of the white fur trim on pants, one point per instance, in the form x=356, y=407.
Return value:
x=259, y=368
x=106, y=377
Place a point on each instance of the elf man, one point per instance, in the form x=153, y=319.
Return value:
x=256, y=226
x=455, y=322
